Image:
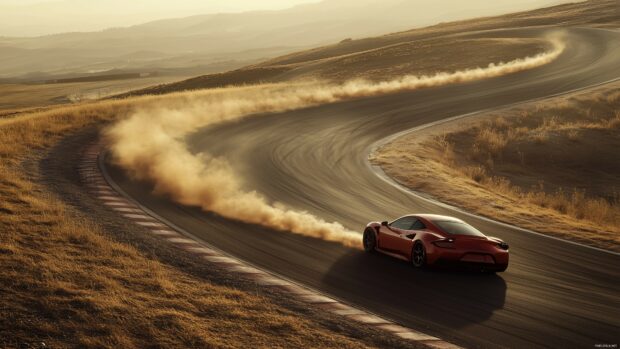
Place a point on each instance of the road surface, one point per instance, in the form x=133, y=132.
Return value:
x=554, y=294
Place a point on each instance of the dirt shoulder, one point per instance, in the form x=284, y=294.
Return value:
x=551, y=166
x=75, y=274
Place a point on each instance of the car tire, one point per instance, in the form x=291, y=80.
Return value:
x=369, y=240
x=495, y=269
x=502, y=268
x=418, y=255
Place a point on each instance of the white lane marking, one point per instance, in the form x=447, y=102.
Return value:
x=316, y=298
x=299, y=290
x=368, y=319
x=125, y=209
x=111, y=198
x=138, y=216
x=246, y=270
x=150, y=224
x=394, y=328
x=439, y=344
x=347, y=312
x=271, y=281
x=164, y=232
x=99, y=191
x=221, y=259
x=416, y=336
x=181, y=241
x=119, y=203
x=201, y=250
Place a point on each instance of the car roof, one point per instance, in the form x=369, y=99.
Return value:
x=436, y=217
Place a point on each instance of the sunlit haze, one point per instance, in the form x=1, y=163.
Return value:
x=24, y=18
x=41, y=17
x=192, y=36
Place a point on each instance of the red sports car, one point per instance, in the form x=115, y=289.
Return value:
x=426, y=239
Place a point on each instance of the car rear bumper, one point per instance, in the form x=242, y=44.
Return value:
x=495, y=259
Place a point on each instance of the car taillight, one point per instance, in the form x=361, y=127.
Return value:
x=503, y=245
x=444, y=243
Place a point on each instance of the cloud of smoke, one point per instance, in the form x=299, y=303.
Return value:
x=150, y=143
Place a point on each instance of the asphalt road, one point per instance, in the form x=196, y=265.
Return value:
x=554, y=294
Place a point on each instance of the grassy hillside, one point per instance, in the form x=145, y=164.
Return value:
x=408, y=52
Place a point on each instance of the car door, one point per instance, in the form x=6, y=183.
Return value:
x=391, y=236
x=405, y=244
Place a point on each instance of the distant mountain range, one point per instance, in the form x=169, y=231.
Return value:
x=215, y=42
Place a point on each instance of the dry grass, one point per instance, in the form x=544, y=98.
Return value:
x=550, y=166
x=64, y=282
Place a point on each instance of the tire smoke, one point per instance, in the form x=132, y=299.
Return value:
x=149, y=144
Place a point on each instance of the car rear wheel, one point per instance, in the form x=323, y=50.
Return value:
x=369, y=240
x=418, y=255
x=502, y=268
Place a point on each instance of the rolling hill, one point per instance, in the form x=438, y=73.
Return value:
x=238, y=38
x=385, y=56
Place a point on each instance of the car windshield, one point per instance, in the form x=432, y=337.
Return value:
x=458, y=228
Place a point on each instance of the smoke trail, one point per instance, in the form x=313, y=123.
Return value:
x=150, y=143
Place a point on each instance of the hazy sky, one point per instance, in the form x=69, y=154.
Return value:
x=40, y=17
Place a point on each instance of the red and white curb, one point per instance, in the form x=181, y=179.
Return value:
x=99, y=187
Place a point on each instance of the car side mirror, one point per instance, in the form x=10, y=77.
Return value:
x=410, y=236
x=384, y=223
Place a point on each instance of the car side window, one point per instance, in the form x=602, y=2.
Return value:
x=418, y=225
x=403, y=223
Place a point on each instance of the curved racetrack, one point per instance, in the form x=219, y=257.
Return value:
x=554, y=294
